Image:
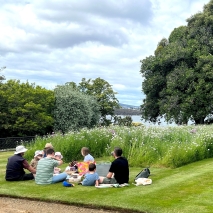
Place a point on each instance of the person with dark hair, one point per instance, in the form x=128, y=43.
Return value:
x=45, y=169
x=119, y=169
x=91, y=178
x=16, y=165
x=86, y=153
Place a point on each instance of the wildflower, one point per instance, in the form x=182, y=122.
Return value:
x=193, y=131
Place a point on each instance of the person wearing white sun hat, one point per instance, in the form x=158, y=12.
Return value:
x=16, y=165
x=59, y=156
x=38, y=155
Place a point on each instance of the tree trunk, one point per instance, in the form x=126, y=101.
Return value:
x=199, y=121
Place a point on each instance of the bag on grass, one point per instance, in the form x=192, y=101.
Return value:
x=145, y=173
x=75, y=178
x=143, y=181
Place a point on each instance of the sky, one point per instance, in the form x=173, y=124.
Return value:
x=51, y=42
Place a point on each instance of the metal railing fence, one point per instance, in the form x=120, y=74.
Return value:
x=12, y=142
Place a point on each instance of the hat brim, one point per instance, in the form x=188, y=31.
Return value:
x=21, y=151
x=51, y=147
x=37, y=155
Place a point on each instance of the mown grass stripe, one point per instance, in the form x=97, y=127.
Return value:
x=185, y=189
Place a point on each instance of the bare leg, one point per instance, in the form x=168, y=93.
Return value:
x=101, y=179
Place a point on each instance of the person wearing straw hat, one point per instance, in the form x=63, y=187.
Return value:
x=47, y=146
x=16, y=165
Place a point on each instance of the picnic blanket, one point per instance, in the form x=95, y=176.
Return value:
x=101, y=186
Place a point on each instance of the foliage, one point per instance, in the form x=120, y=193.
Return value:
x=73, y=109
x=25, y=109
x=173, y=190
x=125, y=121
x=178, y=79
x=143, y=146
x=104, y=94
x=1, y=76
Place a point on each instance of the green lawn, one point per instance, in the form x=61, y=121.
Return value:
x=187, y=189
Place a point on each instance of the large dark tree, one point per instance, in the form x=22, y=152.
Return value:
x=178, y=79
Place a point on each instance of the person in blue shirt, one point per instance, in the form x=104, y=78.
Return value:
x=91, y=178
x=86, y=153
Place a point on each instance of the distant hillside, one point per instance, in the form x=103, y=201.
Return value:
x=126, y=106
x=128, y=110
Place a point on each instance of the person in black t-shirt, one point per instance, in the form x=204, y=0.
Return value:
x=119, y=169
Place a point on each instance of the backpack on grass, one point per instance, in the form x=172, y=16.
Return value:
x=145, y=173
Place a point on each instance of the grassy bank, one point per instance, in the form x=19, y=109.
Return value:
x=184, y=189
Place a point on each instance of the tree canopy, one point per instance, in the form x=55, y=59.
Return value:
x=102, y=91
x=25, y=109
x=178, y=77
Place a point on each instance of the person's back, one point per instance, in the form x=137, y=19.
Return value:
x=45, y=169
x=118, y=171
x=16, y=165
x=91, y=178
x=14, y=169
x=120, y=168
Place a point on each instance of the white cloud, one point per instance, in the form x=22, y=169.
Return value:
x=53, y=42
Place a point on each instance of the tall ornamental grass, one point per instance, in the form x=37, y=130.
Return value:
x=70, y=144
x=143, y=146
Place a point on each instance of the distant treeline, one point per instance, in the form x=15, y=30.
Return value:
x=127, y=112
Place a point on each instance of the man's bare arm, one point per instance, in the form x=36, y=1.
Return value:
x=28, y=167
x=109, y=175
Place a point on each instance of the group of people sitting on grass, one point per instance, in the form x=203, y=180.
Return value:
x=44, y=167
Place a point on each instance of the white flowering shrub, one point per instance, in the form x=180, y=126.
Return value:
x=74, y=110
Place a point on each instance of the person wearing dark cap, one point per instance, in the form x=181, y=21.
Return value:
x=16, y=165
x=118, y=171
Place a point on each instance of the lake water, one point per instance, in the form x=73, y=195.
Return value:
x=137, y=118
